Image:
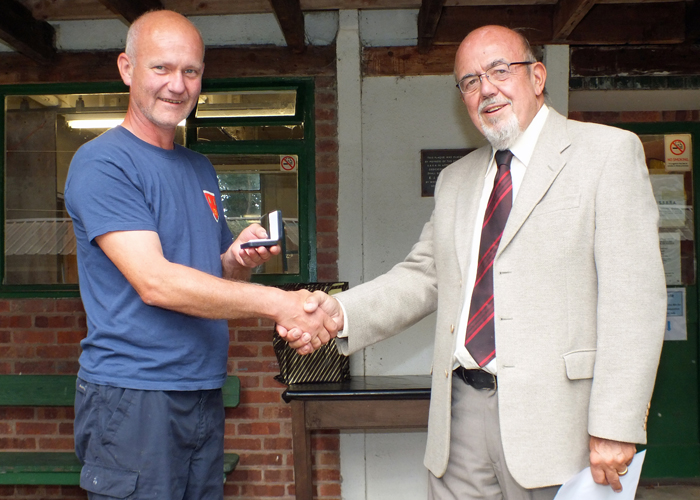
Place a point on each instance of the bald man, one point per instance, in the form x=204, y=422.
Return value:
x=159, y=275
x=542, y=261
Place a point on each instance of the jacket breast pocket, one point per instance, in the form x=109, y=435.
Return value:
x=579, y=364
x=556, y=204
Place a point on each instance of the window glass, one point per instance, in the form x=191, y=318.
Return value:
x=253, y=185
x=247, y=103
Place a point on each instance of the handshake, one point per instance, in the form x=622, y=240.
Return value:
x=309, y=320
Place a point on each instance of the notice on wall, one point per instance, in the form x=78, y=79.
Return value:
x=670, y=244
x=669, y=192
x=432, y=162
x=675, y=315
x=679, y=154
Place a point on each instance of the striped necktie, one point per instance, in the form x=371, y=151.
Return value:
x=480, y=340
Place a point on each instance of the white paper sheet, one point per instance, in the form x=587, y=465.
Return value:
x=582, y=486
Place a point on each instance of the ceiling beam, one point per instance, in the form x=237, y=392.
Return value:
x=28, y=36
x=567, y=15
x=428, y=18
x=692, y=22
x=129, y=10
x=291, y=19
x=664, y=60
x=644, y=23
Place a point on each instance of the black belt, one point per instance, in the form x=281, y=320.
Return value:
x=478, y=379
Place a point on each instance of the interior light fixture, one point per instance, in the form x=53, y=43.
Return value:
x=98, y=120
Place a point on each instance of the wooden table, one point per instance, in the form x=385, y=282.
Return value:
x=386, y=402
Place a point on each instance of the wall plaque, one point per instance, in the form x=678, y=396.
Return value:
x=432, y=161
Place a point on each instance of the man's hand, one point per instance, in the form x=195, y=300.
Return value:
x=305, y=330
x=315, y=303
x=609, y=459
x=237, y=262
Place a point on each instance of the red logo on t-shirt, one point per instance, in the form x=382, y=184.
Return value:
x=212, y=204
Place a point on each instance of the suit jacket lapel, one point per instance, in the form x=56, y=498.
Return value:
x=545, y=165
x=467, y=204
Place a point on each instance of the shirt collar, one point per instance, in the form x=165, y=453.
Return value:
x=524, y=146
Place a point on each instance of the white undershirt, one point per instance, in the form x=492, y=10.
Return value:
x=522, y=150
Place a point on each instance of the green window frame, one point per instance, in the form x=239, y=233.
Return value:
x=303, y=148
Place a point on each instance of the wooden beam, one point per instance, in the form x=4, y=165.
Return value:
x=644, y=24
x=101, y=66
x=692, y=22
x=129, y=10
x=28, y=36
x=428, y=17
x=291, y=19
x=666, y=60
x=567, y=15
x=408, y=61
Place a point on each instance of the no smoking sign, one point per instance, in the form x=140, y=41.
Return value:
x=288, y=163
x=679, y=155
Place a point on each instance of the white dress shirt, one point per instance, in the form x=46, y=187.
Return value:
x=522, y=151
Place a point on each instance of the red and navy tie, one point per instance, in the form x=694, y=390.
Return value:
x=480, y=340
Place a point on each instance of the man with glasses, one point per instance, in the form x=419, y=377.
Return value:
x=542, y=261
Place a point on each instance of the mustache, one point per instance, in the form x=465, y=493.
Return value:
x=491, y=101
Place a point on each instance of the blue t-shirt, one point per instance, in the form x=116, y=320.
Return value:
x=118, y=182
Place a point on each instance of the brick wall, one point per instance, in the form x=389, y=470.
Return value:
x=42, y=336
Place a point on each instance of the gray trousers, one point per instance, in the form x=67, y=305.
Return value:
x=477, y=468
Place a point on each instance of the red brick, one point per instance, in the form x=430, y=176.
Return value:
x=243, y=413
x=34, y=337
x=327, y=257
x=327, y=273
x=327, y=241
x=267, y=351
x=15, y=321
x=6, y=428
x=17, y=351
x=244, y=323
x=325, y=82
x=16, y=413
x=327, y=458
x=257, y=366
x=250, y=381
x=13, y=443
x=249, y=397
x=258, y=459
x=640, y=116
x=326, y=162
x=70, y=337
x=65, y=428
x=248, y=475
x=58, y=351
x=69, y=305
x=328, y=208
x=236, y=444
x=327, y=192
x=277, y=412
x=261, y=490
x=327, y=225
x=58, y=443
x=325, y=114
x=249, y=351
x=327, y=490
x=259, y=429
x=326, y=97
x=254, y=335
x=54, y=321
x=33, y=305
x=82, y=322
x=55, y=413
x=36, y=428
x=5, y=337
x=327, y=130
x=277, y=444
x=327, y=145
x=67, y=367
x=279, y=475
x=330, y=178
x=35, y=367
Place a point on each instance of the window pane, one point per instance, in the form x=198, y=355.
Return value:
x=253, y=185
x=247, y=103
x=42, y=133
x=251, y=133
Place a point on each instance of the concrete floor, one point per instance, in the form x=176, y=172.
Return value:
x=668, y=492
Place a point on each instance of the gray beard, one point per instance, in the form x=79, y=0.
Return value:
x=500, y=135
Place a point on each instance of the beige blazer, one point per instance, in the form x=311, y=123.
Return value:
x=580, y=300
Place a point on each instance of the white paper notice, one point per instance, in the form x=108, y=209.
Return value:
x=669, y=192
x=675, y=315
x=670, y=244
x=582, y=486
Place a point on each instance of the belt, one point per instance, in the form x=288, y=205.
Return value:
x=478, y=379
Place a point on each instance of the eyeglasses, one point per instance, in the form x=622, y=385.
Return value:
x=499, y=73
